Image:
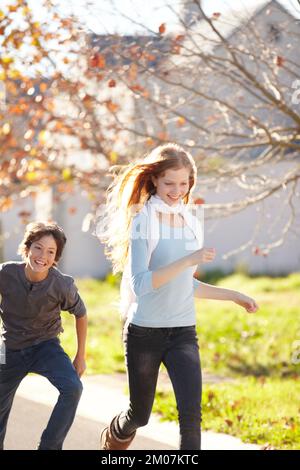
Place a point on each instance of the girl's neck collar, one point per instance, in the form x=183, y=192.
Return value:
x=162, y=206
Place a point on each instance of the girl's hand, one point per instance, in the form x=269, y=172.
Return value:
x=79, y=364
x=205, y=255
x=244, y=301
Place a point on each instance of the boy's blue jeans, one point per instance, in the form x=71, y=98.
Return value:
x=49, y=360
x=177, y=348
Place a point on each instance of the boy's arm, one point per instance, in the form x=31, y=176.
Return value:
x=207, y=291
x=81, y=332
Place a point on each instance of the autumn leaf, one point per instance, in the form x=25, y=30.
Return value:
x=176, y=49
x=6, y=60
x=113, y=156
x=132, y=72
x=229, y=422
x=162, y=28
x=97, y=60
x=88, y=101
x=149, y=57
x=24, y=214
x=14, y=74
x=31, y=176
x=149, y=141
x=137, y=87
x=43, y=87
x=199, y=201
x=180, y=121
x=25, y=11
x=66, y=174
x=72, y=210
x=279, y=61
x=13, y=8
x=5, y=204
x=162, y=136
x=35, y=42
x=111, y=106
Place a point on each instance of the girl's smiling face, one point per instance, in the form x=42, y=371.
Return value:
x=172, y=185
x=41, y=255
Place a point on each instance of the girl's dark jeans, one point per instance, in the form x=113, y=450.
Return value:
x=177, y=348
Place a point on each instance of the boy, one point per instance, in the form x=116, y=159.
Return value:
x=33, y=294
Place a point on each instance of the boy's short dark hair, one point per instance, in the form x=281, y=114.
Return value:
x=36, y=230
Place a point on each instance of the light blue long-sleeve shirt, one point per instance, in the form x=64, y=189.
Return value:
x=171, y=305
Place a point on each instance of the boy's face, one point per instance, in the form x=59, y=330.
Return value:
x=41, y=254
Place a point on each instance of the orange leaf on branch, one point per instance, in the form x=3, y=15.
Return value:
x=111, y=106
x=72, y=210
x=132, y=72
x=180, y=121
x=5, y=204
x=162, y=135
x=199, y=201
x=162, y=28
x=179, y=38
x=97, y=60
x=24, y=214
x=137, y=87
x=43, y=87
x=149, y=141
x=113, y=156
x=279, y=60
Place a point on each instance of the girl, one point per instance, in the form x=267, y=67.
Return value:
x=157, y=242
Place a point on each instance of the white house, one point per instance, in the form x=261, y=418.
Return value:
x=84, y=255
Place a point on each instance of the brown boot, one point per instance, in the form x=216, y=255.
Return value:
x=109, y=440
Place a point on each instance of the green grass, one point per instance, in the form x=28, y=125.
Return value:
x=261, y=411
x=262, y=404
x=236, y=343
x=104, y=345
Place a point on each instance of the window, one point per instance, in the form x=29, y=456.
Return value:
x=274, y=33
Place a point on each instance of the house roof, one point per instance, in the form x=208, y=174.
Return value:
x=202, y=36
x=120, y=50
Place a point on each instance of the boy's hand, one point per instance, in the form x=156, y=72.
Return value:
x=79, y=364
x=248, y=303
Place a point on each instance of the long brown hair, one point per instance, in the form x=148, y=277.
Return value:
x=132, y=187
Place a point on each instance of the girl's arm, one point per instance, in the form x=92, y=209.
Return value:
x=207, y=291
x=81, y=332
x=167, y=273
x=143, y=281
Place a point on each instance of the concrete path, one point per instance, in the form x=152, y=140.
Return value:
x=103, y=397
